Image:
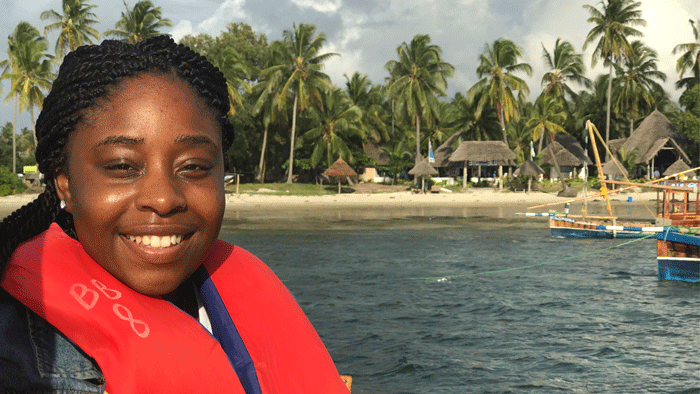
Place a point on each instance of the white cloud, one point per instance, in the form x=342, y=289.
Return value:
x=181, y=29
x=228, y=12
x=323, y=6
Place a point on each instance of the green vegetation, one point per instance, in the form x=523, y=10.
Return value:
x=292, y=122
x=10, y=182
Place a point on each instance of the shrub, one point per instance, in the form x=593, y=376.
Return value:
x=10, y=182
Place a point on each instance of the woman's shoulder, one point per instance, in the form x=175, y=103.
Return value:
x=35, y=356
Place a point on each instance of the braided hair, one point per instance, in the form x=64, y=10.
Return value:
x=87, y=75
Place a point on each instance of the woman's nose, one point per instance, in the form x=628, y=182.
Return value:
x=160, y=192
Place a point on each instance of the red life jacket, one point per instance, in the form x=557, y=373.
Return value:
x=262, y=342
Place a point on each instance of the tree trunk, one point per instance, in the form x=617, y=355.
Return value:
x=631, y=126
x=539, y=147
x=392, y=117
x=417, y=136
x=502, y=120
x=14, y=135
x=31, y=114
x=259, y=176
x=607, y=116
x=291, y=143
x=415, y=179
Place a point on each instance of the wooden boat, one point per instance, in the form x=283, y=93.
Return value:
x=678, y=246
x=678, y=256
x=671, y=211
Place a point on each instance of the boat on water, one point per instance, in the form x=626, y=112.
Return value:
x=568, y=227
x=678, y=255
x=671, y=209
x=678, y=245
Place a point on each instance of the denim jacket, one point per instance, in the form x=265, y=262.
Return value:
x=36, y=358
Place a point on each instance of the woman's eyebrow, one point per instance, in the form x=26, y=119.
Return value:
x=194, y=140
x=120, y=140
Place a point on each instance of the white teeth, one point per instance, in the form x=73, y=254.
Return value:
x=155, y=241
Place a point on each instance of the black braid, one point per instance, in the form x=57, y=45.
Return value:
x=87, y=75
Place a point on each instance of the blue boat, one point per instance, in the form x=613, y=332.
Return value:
x=567, y=227
x=678, y=256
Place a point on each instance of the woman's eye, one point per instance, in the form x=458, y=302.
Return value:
x=121, y=169
x=195, y=169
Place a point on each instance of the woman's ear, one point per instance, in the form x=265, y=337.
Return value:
x=62, y=183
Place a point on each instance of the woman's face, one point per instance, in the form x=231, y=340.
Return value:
x=144, y=182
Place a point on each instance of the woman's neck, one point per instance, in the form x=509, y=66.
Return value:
x=184, y=298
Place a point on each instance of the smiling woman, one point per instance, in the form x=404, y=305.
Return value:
x=113, y=279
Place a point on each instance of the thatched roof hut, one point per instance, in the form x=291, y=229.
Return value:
x=614, y=167
x=678, y=166
x=444, y=151
x=340, y=169
x=373, y=150
x=563, y=156
x=423, y=168
x=483, y=151
x=654, y=134
x=616, y=144
x=570, y=143
x=529, y=168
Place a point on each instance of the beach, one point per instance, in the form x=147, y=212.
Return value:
x=482, y=202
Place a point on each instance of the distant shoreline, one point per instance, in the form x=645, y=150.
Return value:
x=482, y=202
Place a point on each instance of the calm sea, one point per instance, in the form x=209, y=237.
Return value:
x=441, y=303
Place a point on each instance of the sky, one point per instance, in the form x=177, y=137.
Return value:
x=366, y=33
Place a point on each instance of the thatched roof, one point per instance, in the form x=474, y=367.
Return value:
x=373, y=150
x=340, y=169
x=444, y=151
x=529, y=168
x=422, y=169
x=654, y=133
x=677, y=167
x=614, y=167
x=483, y=151
x=571, y=144
x=615, y=144
x=563, y=156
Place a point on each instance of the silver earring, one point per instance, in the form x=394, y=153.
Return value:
x=62, y=205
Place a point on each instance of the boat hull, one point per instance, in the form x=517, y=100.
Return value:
x=686, y=269
x=570, y=228
x=678, y=256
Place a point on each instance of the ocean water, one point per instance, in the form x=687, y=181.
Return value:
x=450, y=304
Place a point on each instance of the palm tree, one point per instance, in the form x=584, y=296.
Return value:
x=29, y=70
x=484, y=127
x=236, y=72
x=140, y=23
x=635, y=79
x=496, y=67
x=73, y=23
x=690, y=59
x=370, y=99
x=547, y=119
x=337, y=120
x=565, y=65
x=613, y=24
x=417, y=78
x=264, y=93
x=301, y=69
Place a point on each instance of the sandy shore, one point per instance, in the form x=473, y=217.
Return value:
x=481, y=202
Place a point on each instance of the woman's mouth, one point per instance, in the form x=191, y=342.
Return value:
x=155, y=241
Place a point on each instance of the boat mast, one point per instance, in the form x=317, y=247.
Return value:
x=601, y=176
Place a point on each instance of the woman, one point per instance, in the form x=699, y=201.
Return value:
x=113, y=278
